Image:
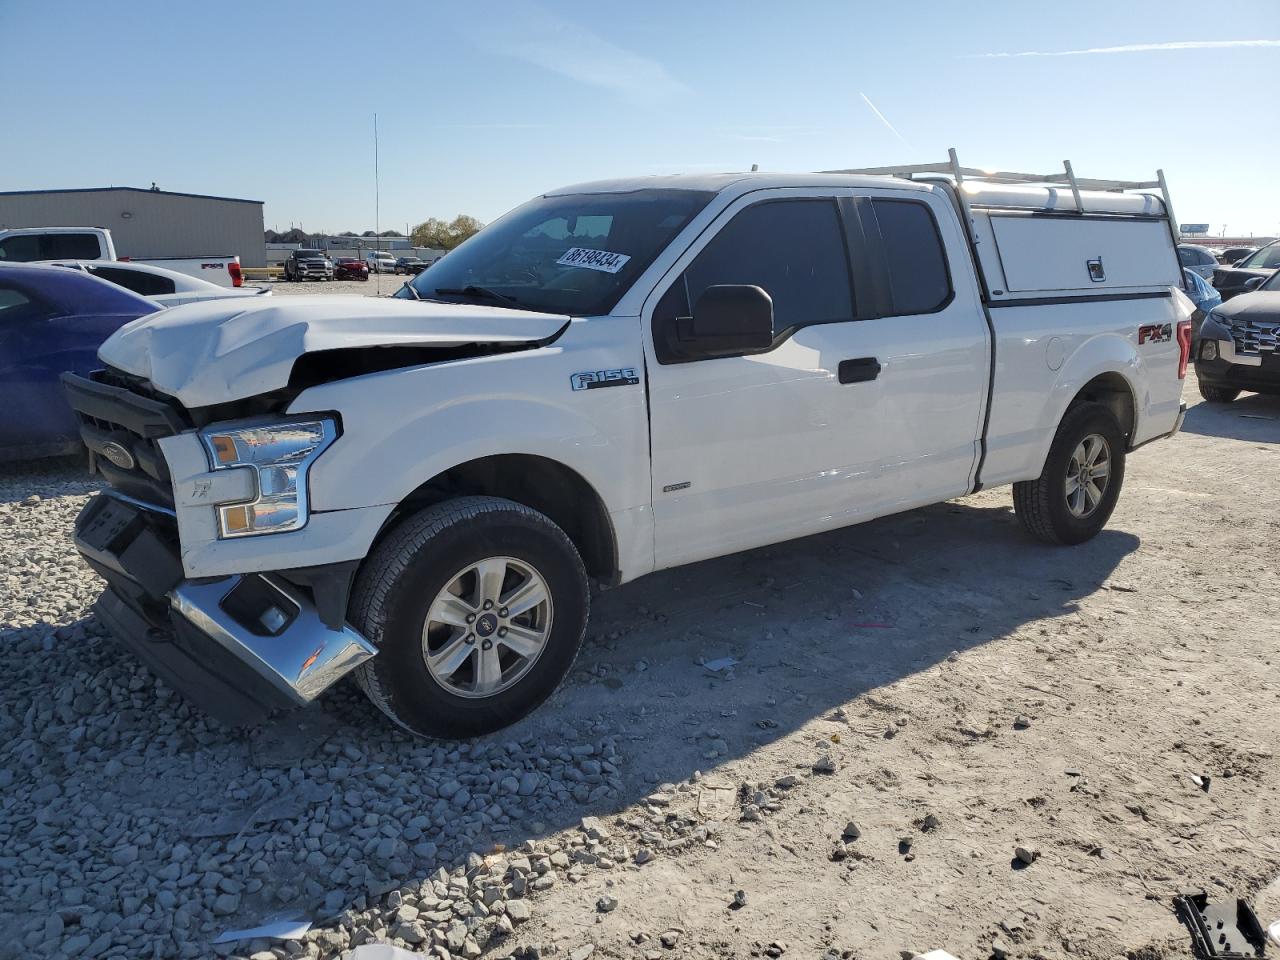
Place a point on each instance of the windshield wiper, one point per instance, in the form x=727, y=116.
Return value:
x=471, y=290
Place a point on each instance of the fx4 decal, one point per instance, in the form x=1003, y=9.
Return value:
x=1155, y=333
x=594, y=379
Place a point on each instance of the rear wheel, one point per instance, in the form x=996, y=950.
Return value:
x=1074, y=495
x=1217, y=394
x=478, y=607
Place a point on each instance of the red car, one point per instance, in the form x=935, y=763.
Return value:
x=349, y=268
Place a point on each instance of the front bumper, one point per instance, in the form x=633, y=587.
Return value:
x=237, y=646
x=1259, y=374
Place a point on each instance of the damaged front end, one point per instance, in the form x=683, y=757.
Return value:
x=238, y=645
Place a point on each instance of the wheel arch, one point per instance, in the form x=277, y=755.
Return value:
x=541, y=483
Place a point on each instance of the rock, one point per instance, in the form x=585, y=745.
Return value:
x=607, y=904
x=123, y=856
x=739, y=899
x=519, y=910
x=669, y=939
x=824, y=764
x=226, y=904
x=594, y=829
x=582, y=952
x=999, y=951
x=930, y=823
x=787, y=782
x=1026, y=855
x=1021, y=722
x=851, y=831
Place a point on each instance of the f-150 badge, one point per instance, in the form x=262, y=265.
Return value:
x=593, y=379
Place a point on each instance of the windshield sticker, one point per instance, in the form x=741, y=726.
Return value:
x=589, y=259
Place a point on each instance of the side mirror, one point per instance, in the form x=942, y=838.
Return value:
x=1253, y=283
x=731, y=318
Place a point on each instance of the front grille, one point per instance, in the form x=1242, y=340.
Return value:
x=1253, y=337
x=116, y=408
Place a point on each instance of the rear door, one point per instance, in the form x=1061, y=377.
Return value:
x=932, y=342
x=754, y=448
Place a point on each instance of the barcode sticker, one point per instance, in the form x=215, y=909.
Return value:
x=601, y=260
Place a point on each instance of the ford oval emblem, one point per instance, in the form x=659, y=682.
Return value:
x=119, y=455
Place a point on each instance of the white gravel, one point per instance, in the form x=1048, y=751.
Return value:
x=857, y=784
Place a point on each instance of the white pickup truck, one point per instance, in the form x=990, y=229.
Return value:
x=36, y=244
x=612, y=379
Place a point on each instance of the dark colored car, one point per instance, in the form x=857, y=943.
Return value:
x=1239, y=344
x=1231, y=281
x=410, y=265
x=51, y=320
x=308, y=265
x=349, y=268
x=1232, y=255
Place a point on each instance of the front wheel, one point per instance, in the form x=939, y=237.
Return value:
x=478, y=607
x=1217, y=394
x=1074, y=495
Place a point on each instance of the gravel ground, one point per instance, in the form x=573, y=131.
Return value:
x=937, y=734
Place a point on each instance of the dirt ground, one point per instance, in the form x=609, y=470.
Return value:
x=973, y=691
x=907, y=649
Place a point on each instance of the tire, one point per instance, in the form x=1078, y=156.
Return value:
x=1217, y=394
x=1042, y=504
x=395, y=600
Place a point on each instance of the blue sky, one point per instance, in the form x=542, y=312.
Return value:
x=482, y=105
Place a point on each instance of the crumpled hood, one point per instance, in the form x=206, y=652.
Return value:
x=219, y=350
x=1257, y=305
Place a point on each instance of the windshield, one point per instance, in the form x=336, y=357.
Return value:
x=310, y=253
x=1268, y=258
x=1272, y=282
x=572, y=254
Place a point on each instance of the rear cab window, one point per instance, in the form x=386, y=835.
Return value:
x=914, y=258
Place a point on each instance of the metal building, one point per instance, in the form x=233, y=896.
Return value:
x=147, y=223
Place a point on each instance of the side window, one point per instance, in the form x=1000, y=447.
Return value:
x=145, y=284
x=20, y=249
x=1187, y=257
x=25, y=248
x=70, y=246
x=793, y=249
x=917, y=264
x=18, y=307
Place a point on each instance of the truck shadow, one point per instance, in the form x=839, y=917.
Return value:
x=813, y=626
x=1253, y=417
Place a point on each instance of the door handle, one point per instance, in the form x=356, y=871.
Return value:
x=859, y=370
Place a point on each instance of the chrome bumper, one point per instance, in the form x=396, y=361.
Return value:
x=238, y=646
x=301, y=661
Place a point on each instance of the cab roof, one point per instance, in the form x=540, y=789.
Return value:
x=741, y=182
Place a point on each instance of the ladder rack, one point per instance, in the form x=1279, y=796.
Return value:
x=1067, y=178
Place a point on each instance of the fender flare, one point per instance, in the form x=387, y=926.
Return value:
x=1098, y=356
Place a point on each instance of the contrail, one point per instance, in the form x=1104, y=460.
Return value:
x=876, y=111
x=1130, y=48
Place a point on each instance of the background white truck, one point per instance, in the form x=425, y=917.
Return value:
x=612, y=379
x=36, y=244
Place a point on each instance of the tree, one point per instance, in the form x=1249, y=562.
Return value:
x=438, y=235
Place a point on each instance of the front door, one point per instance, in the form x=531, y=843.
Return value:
x=760, y=447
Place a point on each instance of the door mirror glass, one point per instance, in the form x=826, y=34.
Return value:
x=732, y=318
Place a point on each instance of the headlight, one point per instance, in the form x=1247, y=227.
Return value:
x=280, y=454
